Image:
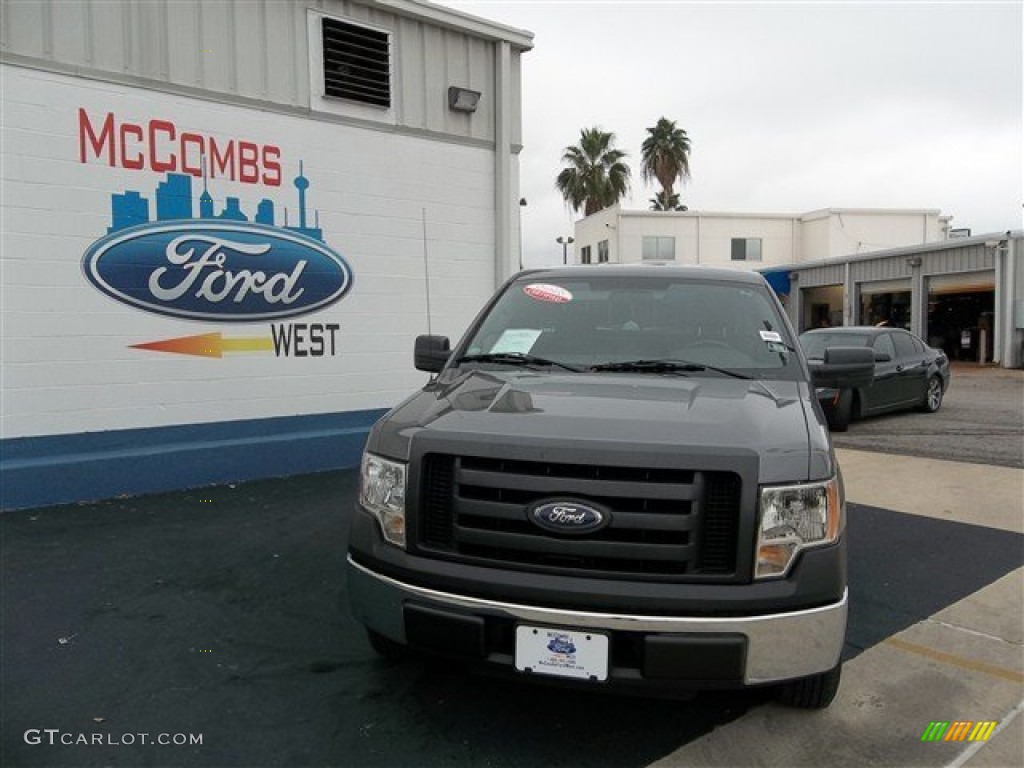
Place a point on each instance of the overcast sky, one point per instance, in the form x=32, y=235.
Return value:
x=790, y=107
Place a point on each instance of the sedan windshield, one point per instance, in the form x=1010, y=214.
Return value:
x=627, y=324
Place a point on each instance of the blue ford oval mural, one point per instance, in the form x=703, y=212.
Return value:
x=572, y=517
x=214, y=270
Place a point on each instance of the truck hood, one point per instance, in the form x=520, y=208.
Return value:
x=693, y=414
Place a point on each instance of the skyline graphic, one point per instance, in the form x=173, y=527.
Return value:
x=174, y=202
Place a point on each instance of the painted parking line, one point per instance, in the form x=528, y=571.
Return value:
x=1004, y=725
x=974, y=665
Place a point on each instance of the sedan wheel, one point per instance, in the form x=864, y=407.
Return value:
x=933, y=395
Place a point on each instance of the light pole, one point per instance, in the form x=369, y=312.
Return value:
x=522, y=204
x=565, y=242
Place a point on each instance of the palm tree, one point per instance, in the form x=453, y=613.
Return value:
x=596, y=176
x=663, y=202
x=665, y=155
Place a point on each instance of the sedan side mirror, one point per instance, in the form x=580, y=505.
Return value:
x=844, y=368
x=431, y=353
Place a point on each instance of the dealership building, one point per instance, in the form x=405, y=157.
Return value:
x=845, y=266
x=223, y=225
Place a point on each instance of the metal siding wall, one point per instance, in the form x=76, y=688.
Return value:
x=433, y=66
x=151, y=41
x=256, y=49
x=183, y=65
x=252, y=49
x=971, y=258
x=216, y=46
x=69, y=37
x=411, y=87
x=831, y=274
x=281, y=58
x=456, y=72
x=879, y=269
x=24, y=25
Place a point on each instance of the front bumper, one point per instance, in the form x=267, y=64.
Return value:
x=682, y=651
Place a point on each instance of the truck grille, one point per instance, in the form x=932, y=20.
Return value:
x=665, y=522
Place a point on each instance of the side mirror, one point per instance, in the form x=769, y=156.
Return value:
x=844, y=368
x=431, y=353
x=882, y=357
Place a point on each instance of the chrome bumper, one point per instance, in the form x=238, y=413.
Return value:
x=780, y=646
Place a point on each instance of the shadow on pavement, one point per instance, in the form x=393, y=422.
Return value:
x=904, y=568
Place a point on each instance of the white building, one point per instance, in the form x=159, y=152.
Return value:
x=215, y=224
x=749, y=240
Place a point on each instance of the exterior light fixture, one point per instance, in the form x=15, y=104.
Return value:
x=914, y=261
x=462, y=99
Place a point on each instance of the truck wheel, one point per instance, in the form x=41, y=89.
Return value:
x=386, y=647
x=838, y=415
x=815, y=692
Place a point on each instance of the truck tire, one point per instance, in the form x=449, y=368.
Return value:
x=815, y=692
x=839, y=414
x=386, y=647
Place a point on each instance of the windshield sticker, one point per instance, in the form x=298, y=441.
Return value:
x=555, y=294
x=770, y=336
x=515, y=340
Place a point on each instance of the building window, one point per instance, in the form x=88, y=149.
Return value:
x=659, y=248
x=585, y=254
x=602, y=252
x=746, y=249
x=357, y=63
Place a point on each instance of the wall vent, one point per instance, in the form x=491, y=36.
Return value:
x=357, y=63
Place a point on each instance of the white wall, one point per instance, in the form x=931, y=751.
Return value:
x=68, y=364
x=851, y=232
x=602, y=225
x=705, y=237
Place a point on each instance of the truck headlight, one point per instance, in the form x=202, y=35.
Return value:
x=382, y=493
x=793, y=518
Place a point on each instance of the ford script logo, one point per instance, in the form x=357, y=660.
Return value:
x=220, y=271
x=569, y=517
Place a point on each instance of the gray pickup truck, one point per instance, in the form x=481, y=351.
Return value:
x=620, y=478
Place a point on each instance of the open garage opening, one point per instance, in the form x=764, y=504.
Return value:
x=887, y=304
x=961, y=313
x=822, y=307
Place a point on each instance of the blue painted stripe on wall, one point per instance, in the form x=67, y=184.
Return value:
x=60, y=469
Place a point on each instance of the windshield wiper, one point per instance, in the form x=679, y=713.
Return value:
x=515, y=358
x=665, y=366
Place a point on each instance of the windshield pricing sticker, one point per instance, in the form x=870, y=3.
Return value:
x=515, y=340
x=771, y=336
x=555, y=294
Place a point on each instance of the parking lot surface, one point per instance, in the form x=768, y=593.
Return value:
x=221, y=613
x=981, y=422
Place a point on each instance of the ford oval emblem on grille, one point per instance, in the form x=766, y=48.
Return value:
x=569, y=517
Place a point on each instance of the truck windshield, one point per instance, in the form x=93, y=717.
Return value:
x=606, y=322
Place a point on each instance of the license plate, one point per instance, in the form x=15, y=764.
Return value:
x=562, y=652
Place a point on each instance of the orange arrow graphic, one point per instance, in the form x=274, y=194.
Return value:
x=209, y=345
